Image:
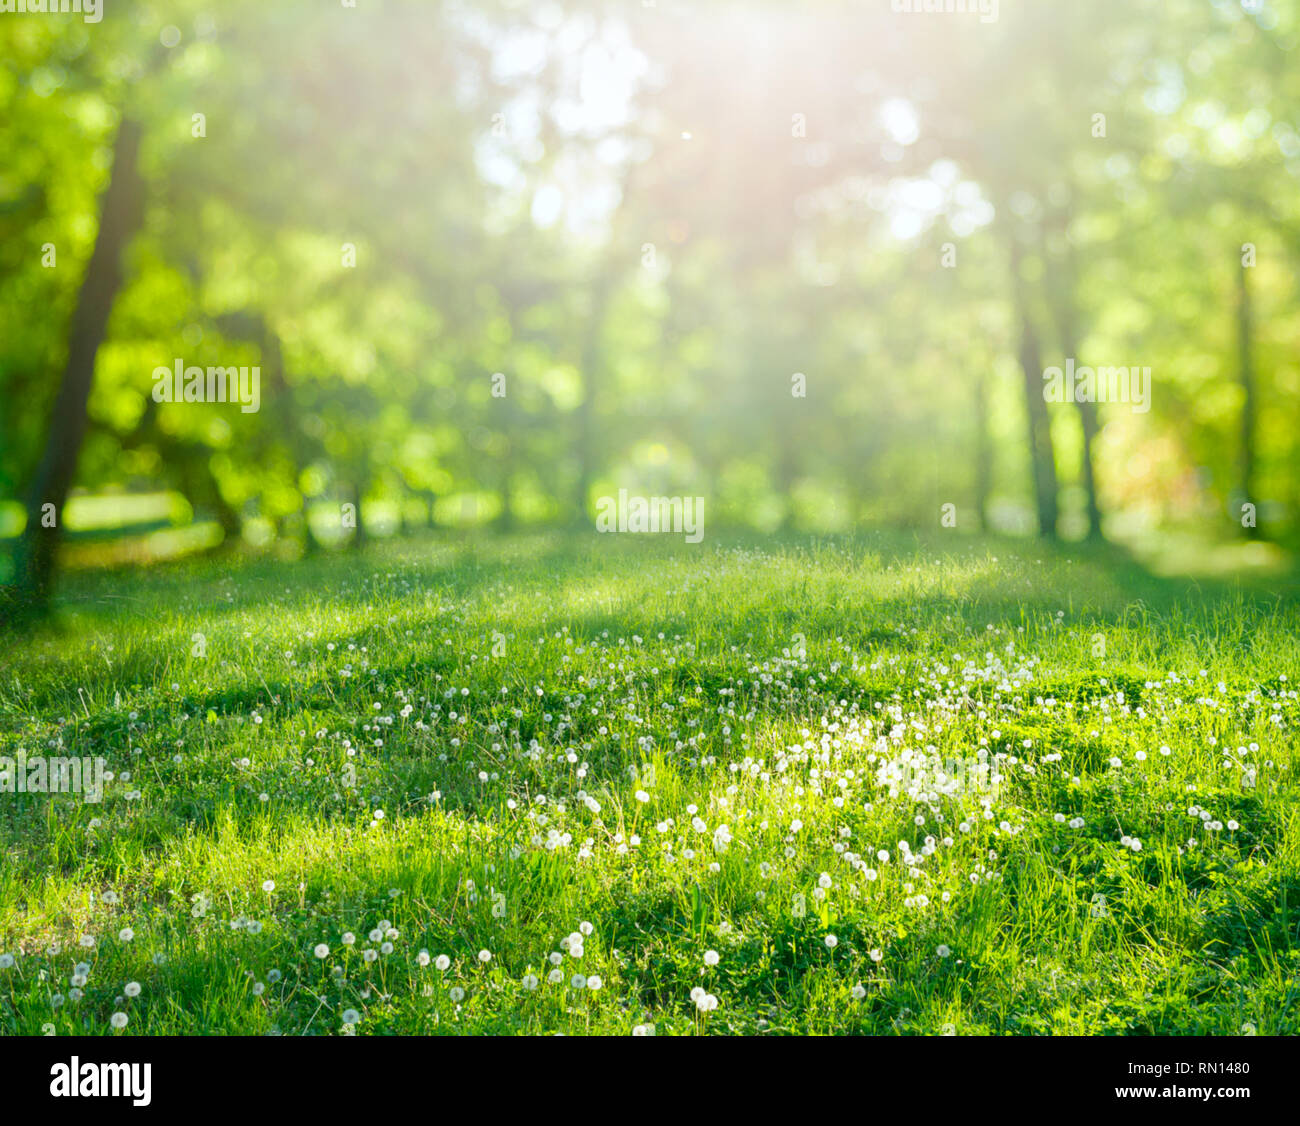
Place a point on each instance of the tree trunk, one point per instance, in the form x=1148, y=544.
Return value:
x=1062, y=298
x=1042, y=454
x=1088, y=420
x=123, y=211
x=354, y=493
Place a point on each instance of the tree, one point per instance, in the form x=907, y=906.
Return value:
x=121, y=214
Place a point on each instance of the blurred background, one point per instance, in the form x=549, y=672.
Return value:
x=498, y=259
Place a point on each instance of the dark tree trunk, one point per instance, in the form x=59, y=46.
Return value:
x=1061, y=290
x=191, y=461
x=358, y=540
x=123, y=210
x=200, y=487
x=287, y=418
x=1088, y=420
x=1042, y=454
x=430, y=501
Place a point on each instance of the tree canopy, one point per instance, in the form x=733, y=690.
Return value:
x=496, y=260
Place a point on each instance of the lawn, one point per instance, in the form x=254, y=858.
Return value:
x=611, y=784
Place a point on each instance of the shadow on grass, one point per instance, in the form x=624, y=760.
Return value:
x=818, y=586
x=461, y=564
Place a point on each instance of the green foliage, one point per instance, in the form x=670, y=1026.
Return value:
x=597, y=203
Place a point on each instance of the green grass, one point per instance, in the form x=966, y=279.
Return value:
x=502, y=703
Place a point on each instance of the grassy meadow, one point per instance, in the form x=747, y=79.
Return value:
x=608, y=785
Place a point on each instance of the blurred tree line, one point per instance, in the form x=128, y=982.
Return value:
x=496, y=259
